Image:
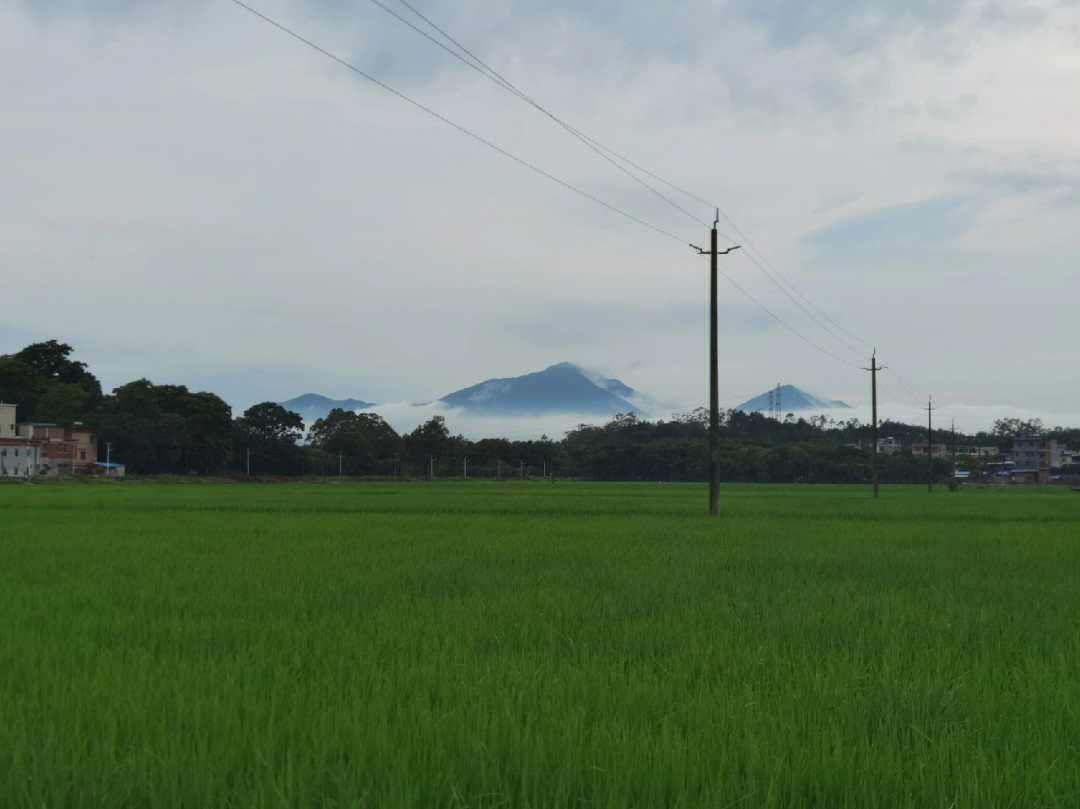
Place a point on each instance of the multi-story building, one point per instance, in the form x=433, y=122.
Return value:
x=67, y=450
x=1033, y=454
x=44, y=449
x=7, y=420
x=888, y=446
x=20, y=458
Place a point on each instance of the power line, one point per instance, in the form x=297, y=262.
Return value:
x=784, y=323
x=479, y=65
x=456, y=126
x=807, y=312
x=810, y=303
x=488, y=72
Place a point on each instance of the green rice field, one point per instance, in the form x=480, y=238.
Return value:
x=467, y=644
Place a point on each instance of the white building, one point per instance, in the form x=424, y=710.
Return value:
x=20, y=458
x=888, y=446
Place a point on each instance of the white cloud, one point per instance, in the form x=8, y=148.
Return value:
x=203, y=200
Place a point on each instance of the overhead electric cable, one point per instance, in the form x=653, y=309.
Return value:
x=918, y=395
x=456, y=126
x=484, y=70
x=479, y=65
x=784, y=323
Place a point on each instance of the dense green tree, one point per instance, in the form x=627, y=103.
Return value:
x=30, y=375
x=266, y=437
x=165, y=428
x=62, y=403
x=269, y=421
x=363, y=442
x=431, y=440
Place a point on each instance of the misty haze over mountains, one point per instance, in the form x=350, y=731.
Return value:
x=561, y=389
x=563, y=396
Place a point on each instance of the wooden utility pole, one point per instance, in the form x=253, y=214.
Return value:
x=714, y=387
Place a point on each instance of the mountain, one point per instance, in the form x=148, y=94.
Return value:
x=312, y=406
x=792, y=400
x=562, y=388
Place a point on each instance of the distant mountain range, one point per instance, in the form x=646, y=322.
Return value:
x=562, y=388
x=312, y=406
x=792, y=400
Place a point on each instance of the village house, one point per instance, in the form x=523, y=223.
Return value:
x=888, y=446
x=35, y=449
x=67, y=450
x=937, y=450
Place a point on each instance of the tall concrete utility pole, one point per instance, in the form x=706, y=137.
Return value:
x=930, y=443
x=873, y=369
x=714, y=388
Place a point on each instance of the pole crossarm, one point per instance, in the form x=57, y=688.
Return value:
x=701, y=252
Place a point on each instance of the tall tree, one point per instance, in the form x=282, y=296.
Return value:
x=266, y=435
x=365, y=442
x=29, y=375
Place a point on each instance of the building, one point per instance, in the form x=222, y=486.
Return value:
x=68, y=450
x=888, y=446
x=937, y=450
x=978, y=452
x=20, y=458
x=1035, y=454
x=7, y=420
x=109, y=470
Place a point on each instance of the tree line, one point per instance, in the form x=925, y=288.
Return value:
x=168, y=429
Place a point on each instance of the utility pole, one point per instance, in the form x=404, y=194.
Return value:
x=431, y=468
x=466, y=467
x=498, y=468
x=248, y=463
x=714, y=387
x=954, y=448
x=523, y=469
x=873, y=369
x=339, y=464
x=930, y=443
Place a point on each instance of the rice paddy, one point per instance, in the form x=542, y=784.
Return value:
x=533, y=645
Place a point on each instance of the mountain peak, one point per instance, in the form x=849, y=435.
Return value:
x=560, y=388
x=792, y=400
x=314, y=406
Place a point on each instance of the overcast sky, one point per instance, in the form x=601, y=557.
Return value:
x=190, y=195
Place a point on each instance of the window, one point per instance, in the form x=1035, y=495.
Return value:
x=82, y=455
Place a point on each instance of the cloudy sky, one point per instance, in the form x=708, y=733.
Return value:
x=191, y=195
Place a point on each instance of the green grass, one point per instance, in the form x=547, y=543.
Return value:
x=525, y=644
